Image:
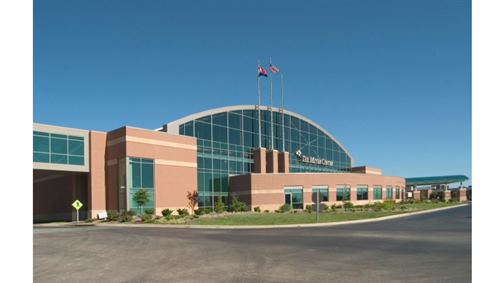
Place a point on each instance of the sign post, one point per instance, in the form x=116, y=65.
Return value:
x=77, y=205
x=317, y=197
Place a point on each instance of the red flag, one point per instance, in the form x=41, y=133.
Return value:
x=261, y=71
x=273, y=69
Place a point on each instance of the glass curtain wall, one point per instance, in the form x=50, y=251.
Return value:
x=59, y=149
x=140, y=176
x=226, y=140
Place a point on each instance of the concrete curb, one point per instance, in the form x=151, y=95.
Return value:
x=179, y=226
x=63, y=225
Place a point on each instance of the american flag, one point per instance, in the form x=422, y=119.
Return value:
x=274, y=69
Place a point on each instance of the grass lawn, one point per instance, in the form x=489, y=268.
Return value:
x=250, y=218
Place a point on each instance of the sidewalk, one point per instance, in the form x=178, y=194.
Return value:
x=326, y=224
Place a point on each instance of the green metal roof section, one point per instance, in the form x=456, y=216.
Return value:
x=437, y=180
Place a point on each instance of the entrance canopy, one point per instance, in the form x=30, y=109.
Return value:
x=437, y=180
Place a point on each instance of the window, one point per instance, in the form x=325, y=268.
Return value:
x=294, y=197
x=140, y=176
x=58, y=149
x=377, y=190
x=389, y=192
x=343, y=193
x=362, y=193
x=397, y=193
x=324, y=190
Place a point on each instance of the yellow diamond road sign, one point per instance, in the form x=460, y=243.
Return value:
x=77, y=204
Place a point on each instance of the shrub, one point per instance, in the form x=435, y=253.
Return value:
x=131, y=212
x=334, y=207
x=325, y=207
x=149, y=211
x=348, y=205
x=237, y=205
x=308, y=208
x=266, y=211
x=125, y=217
x=285, y=208
x=403, y=207
x=389, y=205
x=112, y=215
x=166, y=212
x=146, y=217
x=199, y=211
x=182, y=212
x=207, y=210
x=257, y=209
x=378, y=206
x=219, y=205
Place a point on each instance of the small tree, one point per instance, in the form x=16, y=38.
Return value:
x=219, y=205
x=193, y=200
x=141, y=197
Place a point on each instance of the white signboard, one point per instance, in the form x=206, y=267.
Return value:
x=102, y=215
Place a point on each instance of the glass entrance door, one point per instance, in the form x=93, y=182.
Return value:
x=288, y=199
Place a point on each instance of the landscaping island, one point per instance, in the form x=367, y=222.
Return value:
x=284, y=215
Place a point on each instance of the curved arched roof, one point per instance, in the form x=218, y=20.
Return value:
x=173, y=127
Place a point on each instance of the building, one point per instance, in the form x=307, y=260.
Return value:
x=268, y=160
x=424, y=188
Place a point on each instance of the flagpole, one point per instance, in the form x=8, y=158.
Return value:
x=271, y=105
x=282, y=102
x=259, y=102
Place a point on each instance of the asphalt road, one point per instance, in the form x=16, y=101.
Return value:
x=432, y=247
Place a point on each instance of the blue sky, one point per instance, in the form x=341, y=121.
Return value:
x=390, y=79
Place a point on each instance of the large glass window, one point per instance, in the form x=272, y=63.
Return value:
x=324, y=190
x=389, y=192
x=397, y=192
x=362, y=192
x=343, y=193
x=57, y=148
x=140, y=176
x=294, y=197
x=226, y=141
x=377, y=190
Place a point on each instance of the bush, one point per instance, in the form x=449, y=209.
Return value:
x=334, y=207
x=348, y=205
x=266, y=211
x=219, y=205
x=389, y=205
x=112, y=215
x=131, y=212
x=199, y=211
x=182, y=212
x=149, y=211
x=257, y=209
x=237, y=205
x=146, y=217
x=403, y=207
x=166, y=212
x=125, y=217
x=308, y=208
x=285, y=208
x=325, y=207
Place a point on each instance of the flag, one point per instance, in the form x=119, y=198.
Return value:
x=273, y=69
x=261, y=71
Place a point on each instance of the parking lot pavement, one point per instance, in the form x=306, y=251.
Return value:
x=433, y=247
